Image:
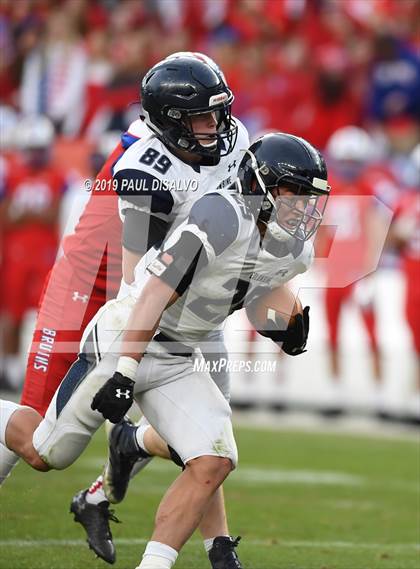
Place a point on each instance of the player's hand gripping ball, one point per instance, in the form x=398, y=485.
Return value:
x=115, y=398
x=279, y=315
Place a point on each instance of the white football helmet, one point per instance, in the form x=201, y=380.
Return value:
x=8, y=122
x=35, y=132
x=415, y=157
x=107, y=142
x=409, y=170
x=351, y=143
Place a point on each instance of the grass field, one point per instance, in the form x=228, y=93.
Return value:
x=300, y=501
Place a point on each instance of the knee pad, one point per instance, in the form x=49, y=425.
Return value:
x=223, y=447
x=60, y=447
x=70, y=422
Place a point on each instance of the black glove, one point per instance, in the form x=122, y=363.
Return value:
x=297, y=334
x=114, y=398
x=294, y=337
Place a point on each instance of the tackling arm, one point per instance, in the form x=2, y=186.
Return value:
x=171, y=274
x=144, y=319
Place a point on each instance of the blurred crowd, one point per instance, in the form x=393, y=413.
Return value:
x=308, y=67
x=303, y=66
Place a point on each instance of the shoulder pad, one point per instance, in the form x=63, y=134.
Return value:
x=216, y=216
x=243, y=141
x=306, y=257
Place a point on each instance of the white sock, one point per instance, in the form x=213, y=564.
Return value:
x=8, y=459
x=95, y=494
x=158, y=556
x=208, y=544
x=142, y=427
x=141, y=430
x=14, y=370
x=7, y=408
x=154, y=562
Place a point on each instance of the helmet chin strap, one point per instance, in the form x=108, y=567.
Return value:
x=278, y=233
x=209, y=144
x=257, y=169
x=275, y=230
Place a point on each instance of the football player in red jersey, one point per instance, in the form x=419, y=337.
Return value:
x=8, y=161
x=33, y=190
x=405, y=234
x=350, y=150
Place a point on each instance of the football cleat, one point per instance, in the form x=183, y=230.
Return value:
x=223, y=555
x=95, y=520
x=123, y=453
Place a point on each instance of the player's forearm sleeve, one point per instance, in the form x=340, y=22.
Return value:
x=142, y=231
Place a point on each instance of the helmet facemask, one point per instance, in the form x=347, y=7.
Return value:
x=291, y=207
x=298, y=214
x=218, y=144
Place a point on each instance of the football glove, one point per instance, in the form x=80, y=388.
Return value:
x=297, y=334
x=114, y=398
x=294, y=337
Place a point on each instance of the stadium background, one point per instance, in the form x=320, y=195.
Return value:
x=308, y=67
x=305, y=67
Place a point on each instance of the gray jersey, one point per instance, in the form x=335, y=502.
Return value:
x=239, y=267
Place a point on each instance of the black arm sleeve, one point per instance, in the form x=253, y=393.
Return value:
x=141, y=231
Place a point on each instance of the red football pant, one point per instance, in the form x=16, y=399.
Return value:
x=67, y=306
x=23, y=276
x=412, y=309
x=334, y=300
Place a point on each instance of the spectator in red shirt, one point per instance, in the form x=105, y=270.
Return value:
x=405, y=235
x=32, y=196
x=352, y=220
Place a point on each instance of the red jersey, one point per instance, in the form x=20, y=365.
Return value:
x=346, y=217
x=383, y=184
x=407, y=224
x=94, y=249
x=31, y=191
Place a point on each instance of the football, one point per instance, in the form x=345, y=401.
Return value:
x=281, y=301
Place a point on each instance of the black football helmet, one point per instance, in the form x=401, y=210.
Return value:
x=202, y=57
x=178, y=88
x=284, y=181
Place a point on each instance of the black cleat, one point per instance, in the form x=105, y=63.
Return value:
x=95, y=520
x=223, y=555
x=123, y=453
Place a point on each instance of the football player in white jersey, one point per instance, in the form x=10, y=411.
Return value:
x=210, y=266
